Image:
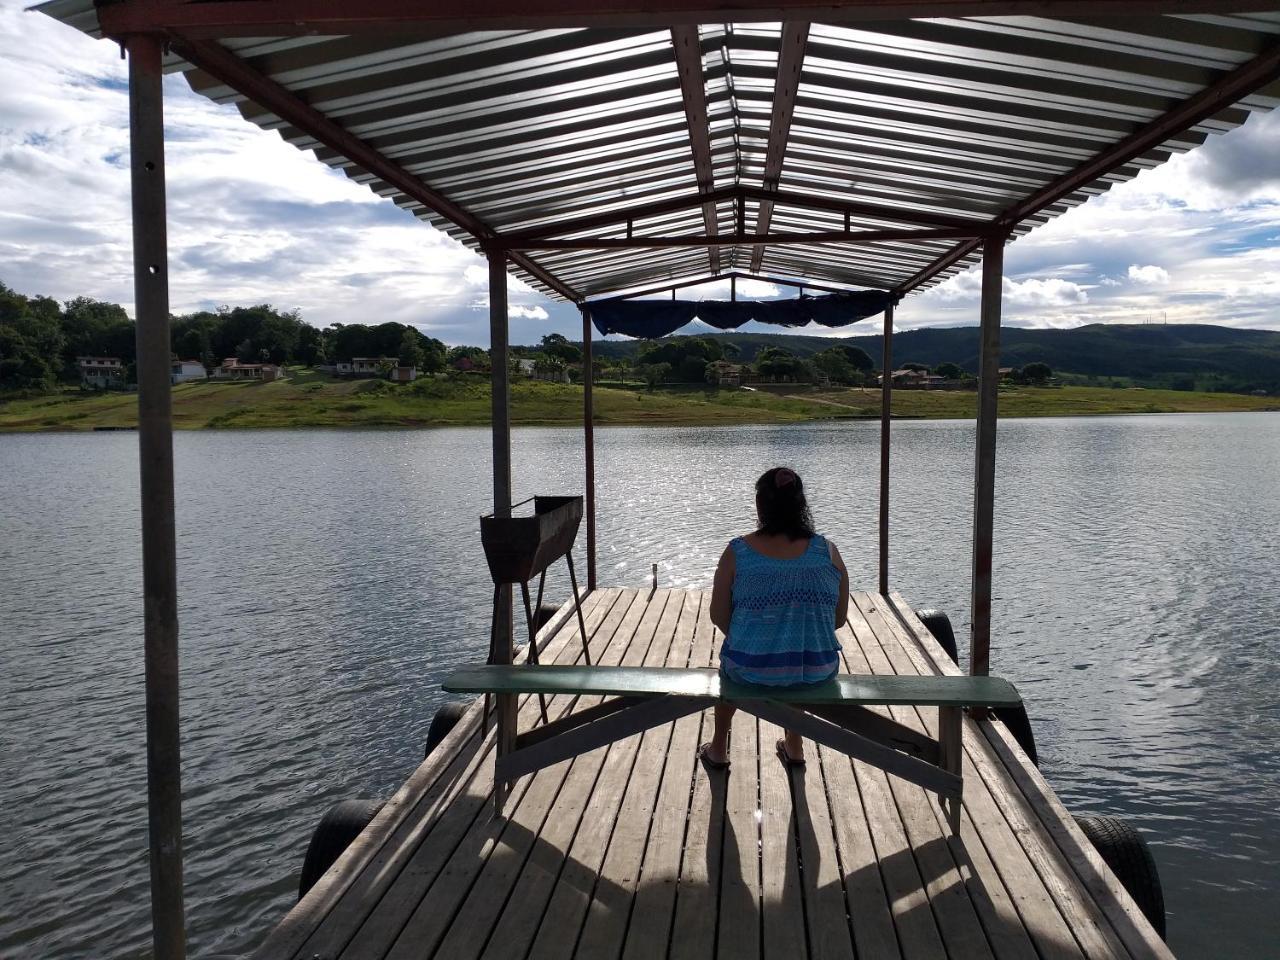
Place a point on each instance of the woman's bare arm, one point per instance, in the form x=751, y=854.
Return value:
x=842, y=603
x=722, y=592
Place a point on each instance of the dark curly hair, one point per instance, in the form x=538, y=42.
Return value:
x=781, y=504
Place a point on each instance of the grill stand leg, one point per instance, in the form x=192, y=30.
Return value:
x=577, y=606
x=533, y=643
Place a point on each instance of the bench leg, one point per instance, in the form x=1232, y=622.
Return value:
x=567, y=738
x=950, y=727
x=506, y=741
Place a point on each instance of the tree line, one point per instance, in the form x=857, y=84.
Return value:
x=40, y=339
x=699, y=359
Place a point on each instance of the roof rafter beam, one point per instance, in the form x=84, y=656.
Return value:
x=695, y=281
x=221, y=63
x=791, y=44
x=620, y=216
x=731, y=275
x=802, y=284
x=1226, y=90
x=687, y=41
x=971, y=226
x=742, y=239
x=861, y=209
x=281, y=18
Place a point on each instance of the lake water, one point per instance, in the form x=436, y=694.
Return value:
x=330, y=578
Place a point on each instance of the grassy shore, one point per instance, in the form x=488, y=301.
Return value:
x=309, y=399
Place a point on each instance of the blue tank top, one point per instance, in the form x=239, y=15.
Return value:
x=782, y=631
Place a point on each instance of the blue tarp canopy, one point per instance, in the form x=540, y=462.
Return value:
x=649, y=319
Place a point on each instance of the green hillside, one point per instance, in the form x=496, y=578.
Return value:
x=1182, y=356
x=311, y=399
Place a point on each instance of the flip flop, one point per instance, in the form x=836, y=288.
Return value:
x=704, y=754
x=786, y=758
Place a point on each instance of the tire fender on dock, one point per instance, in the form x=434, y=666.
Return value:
x=343, y=822
x=445, y=720
x=939, y=625
x=1014, y=718
x=1124, y=850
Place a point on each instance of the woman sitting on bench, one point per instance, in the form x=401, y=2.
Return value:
x=777, y=597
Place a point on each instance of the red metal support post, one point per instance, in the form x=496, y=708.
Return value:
x=155, y=456
x=589, y=444
x=500, y=382
x=984, y=481
x=886, y=417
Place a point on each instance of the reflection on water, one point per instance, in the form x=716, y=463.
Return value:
x=329, y=578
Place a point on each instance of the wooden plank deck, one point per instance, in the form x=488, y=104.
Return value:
x=634, y=851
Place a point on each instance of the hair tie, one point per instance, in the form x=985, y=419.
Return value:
x=783, y=478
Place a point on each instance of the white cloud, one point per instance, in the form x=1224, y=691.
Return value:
x=1149, y=274
x=527, y=313
x=1052, y=291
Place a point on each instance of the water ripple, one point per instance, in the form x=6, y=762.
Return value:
x=330, y=578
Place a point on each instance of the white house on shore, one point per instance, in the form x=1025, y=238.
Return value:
x=186, y=370
x=390, y=367
x=372, y=366
x=920, y=379
x=101, y=372
x=233, y=369
x=403, y=374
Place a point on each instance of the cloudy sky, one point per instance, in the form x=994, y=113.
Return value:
x=252, y=220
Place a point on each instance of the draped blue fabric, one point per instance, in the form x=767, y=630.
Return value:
x=726, y=314
x=789, y=313
x=650, y=319
x=647, y=319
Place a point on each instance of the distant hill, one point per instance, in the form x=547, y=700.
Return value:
x=1189, y=356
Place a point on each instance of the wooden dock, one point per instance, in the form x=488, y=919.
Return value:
x=635, y=851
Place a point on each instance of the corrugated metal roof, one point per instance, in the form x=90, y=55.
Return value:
x=969, y=117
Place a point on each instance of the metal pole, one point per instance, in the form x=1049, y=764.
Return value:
x=589, y=445
x=984, y=480
x=499, y=374
x=886, y=402
x=155, y=457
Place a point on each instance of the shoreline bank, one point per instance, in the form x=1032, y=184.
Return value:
x=309, y=401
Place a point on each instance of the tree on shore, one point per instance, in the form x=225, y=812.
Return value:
x=557, y=347
x=410, y=352
x=779, y=364
x=653, y=373
x=842, y=364
x=1037, y=373
x=31, y=341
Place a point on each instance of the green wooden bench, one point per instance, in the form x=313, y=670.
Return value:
x=833, y=713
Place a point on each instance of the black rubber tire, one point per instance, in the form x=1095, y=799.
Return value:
x=446, y=719
x=1129, y=858
x=542, y=616
x=939, y=625
x=1015, y=718
x=337, y=828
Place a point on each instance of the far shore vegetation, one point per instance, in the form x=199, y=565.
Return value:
x=310, y=399
x=52, y=359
